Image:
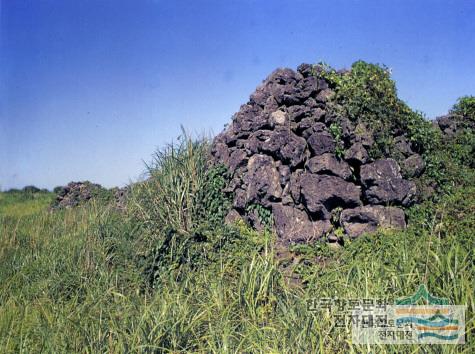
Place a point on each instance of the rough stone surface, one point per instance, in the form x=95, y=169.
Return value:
x=282, y=156
x=357, y=154
x=447, y=124
x=263, y=181
x=76, y=193
x=321, y=143
x=413, y=166
x=321, y=194
x=367, y=219
x=329, y=164
x=384, y=184
x=294, y=226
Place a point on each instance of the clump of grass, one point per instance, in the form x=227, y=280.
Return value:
x=180, y=209
x=174, y=178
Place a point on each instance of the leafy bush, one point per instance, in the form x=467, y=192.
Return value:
x=212, y=203
x=450, y=161
x=465, y=107
x=264, y=215
x=367, y=94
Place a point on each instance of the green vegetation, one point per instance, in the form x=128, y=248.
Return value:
x=336, y=132
x=367, y=94
x=73, y=281
x=167, y=275
x=450, y=161
x=465, y=107
x=17, y=203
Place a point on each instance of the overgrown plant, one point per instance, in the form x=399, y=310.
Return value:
x=367, y=94
x=175, y=177
x=263, y=214
x=465, y=107
x=336, y=132
x=181, y=208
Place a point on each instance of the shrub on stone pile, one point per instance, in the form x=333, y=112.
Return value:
x=451, y=161
x=465, y=107
x=367, y=94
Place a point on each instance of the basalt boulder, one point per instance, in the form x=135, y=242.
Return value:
x=384, y=184
x=368, y=218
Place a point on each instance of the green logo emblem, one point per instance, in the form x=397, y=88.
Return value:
x=422, y=294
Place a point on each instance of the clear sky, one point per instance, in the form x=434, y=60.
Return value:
x=89, y=89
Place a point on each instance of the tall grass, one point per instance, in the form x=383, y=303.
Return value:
x=167, y=198
x=71, y=282
x=78, y=280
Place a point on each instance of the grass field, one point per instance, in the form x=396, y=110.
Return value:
x=71, y=281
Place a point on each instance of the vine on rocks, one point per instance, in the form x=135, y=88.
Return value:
x=367, y=94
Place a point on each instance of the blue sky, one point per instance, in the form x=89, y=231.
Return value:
x=89, y=89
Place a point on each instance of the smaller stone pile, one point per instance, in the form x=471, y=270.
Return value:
x=452, y=124
x=76, y=193
x=79, y=193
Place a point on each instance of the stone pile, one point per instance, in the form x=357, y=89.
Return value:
x=283, y=156
x=75, y=193
x=79, y=193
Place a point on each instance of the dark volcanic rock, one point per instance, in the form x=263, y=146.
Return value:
x=294, y=226
x=281, y=155
x=403, y=146
x=321, y=143
x=384, y=184
x=286, y=146
x=413, y=166
x=356, y=154
x=238, y=158
x=329, y=164
x=448, y=124
x=384, y=169
x=262, y=180
x=366, y=219
x=321, y=194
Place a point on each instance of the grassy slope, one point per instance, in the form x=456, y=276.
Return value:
x=69, y=282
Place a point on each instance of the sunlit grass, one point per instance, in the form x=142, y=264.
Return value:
x=21, y=204
x=70, y=282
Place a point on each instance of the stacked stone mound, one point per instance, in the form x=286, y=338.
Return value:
x=76, y=193
x=79, y=193
x=282, y=156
